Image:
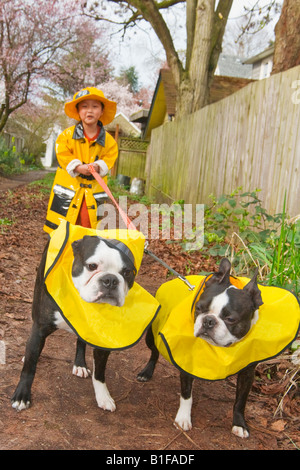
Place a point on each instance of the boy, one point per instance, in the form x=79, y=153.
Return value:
x=76, y=195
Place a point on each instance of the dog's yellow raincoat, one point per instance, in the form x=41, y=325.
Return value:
x=100, y=325
x=173, y=329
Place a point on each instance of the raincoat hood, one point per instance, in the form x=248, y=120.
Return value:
x=173, y=329
x=91, y=93
x=100, y=325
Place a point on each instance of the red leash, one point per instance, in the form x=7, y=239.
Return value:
x=131, y=226
x=104, y=186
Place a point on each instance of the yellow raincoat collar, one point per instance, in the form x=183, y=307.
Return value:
x=173, y=329
x=100, y=325
x=79, y=133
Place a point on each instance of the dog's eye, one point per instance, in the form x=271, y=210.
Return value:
x=92, y=267
x=126, y=272
x=229, y=319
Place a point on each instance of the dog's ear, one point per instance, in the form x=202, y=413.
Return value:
x=224, y=270
x=76, y=246
x=77, y=263
x=222, y=275
x=252, y=289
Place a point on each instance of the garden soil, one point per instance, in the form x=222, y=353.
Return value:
x=64, y=414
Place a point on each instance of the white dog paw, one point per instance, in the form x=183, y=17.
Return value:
x=240, y=432
x=81, y=372
x=20, y=405
x=184, y=424
x=183, y=417
x=103, y=398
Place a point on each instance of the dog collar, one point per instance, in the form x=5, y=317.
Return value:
x=173, y=330
x=118, y=245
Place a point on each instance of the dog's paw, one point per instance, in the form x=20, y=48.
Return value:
x=142, y=377
x=183, y=417
x=21, y=399
x=239, y=431
x=146, y=374
x=185, y=424
x=81, y=372
x=103, y=398
x=20, y=405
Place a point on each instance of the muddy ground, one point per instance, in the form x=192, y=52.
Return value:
x=64, y=414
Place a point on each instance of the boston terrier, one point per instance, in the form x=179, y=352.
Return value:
x=101, y=273
x=223, y=316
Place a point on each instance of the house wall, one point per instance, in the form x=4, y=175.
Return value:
x=263, y=68
x=249, y=139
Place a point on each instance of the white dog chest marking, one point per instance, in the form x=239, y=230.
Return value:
x=60, y=323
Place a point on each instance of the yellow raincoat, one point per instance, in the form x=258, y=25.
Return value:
x=100, y=325
x=68, y=191
x=173, y=329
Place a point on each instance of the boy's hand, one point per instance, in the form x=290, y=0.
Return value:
x=83, y=170
x=96, y=167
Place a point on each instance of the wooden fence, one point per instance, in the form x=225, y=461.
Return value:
x=250, y=139
x=132, y=157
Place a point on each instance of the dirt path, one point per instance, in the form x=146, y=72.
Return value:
x=64, y=414
x=21, y=180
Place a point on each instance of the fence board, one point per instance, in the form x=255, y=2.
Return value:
x=249, y=139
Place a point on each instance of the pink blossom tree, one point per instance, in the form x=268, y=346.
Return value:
x=85, y=63
x=126, y=102
x=33, y=37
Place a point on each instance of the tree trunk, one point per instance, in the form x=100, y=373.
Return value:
x=205, y=30
x=193, y=88
x=287, y=37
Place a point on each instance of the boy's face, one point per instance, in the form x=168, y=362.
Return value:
x=90, y=111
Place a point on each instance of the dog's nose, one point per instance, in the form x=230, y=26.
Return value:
x=209, y=322
x=109, y=281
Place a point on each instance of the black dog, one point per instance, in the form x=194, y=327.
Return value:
x=223, y=315
x=101, y=274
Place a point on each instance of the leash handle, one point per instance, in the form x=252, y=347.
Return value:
x=130, y=225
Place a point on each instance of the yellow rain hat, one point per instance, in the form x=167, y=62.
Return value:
x=100, y=325
x=91, y=93
x=173, y=329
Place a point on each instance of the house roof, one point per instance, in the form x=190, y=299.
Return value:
x=261, y=55
x=232, y=66
x=126, y=127
x=164, y=98
x=140, y=116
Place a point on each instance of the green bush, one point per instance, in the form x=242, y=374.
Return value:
x=10, y=160
x=237, y=226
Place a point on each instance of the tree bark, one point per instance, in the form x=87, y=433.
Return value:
x=205, y=30
x=287, y=37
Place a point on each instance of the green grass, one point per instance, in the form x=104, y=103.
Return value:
x=44, y=185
